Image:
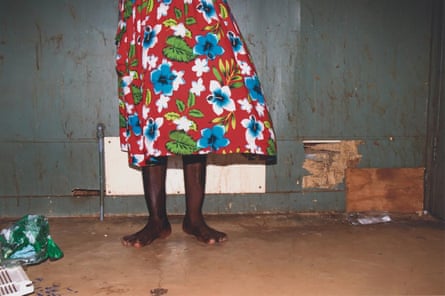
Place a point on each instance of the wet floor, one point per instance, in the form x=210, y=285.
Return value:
x=301, y=254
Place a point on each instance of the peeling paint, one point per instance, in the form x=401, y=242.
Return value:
x=326, y=162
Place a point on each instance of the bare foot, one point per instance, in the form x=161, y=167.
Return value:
x=203, y=232
x=153, y=230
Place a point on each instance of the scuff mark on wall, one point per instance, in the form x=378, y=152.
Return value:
x=38, y=46
x=326, y=162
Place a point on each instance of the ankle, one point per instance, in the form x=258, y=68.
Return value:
x=193, y=219
x=158, y=220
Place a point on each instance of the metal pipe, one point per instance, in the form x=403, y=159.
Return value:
x=100, y=137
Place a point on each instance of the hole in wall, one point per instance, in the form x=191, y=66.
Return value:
x=327, y=160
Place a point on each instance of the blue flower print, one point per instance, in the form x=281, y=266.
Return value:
x=254, y=128
x=166, y=2
x=134, y=123
x=136, y=159
x=220, y=98
x=213, y=138
x=151, y=130
x=208, y=45
x=207, y=9
x=253, y=84
x=237, y=45
x=162, y=79
x=150, y=36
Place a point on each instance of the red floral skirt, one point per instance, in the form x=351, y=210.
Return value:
x=186, y=82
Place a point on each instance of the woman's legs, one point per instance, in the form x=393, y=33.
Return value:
x=158, y=225
x=194, y=180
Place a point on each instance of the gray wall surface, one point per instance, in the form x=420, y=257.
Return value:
x=351, y=70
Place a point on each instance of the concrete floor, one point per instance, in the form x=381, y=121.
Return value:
x=304, y=254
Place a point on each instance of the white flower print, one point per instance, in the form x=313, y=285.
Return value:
x=145, y=111
x=179, y=30
x=245, y=105
x=126, y=81
x=124, y=146
x=272, y=134
x=162, y=102
x=251, y=146
x=200, y=67
x=260, y=109
x=183, y=123
x=179, y=80
x=197, y=87
x=140, y=143
x=150, y=62
x=129, y=108
x=245, y=68
x=220, y=98
x=162, y=10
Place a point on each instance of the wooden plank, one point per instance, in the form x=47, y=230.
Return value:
x=399, y=190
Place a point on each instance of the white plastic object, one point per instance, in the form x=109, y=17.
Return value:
x=14, y=281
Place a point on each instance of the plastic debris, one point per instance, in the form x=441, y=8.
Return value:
x=369, y=218
x=14, y=281
x=27, y=242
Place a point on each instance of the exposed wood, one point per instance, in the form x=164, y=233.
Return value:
x=326, y=163
x=385, y=189
x=85, y=192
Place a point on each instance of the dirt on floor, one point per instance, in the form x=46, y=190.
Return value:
x=295, y=254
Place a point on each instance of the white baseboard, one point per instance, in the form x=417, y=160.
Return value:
x=120, y=179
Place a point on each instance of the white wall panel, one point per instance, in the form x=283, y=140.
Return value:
x=120, y=179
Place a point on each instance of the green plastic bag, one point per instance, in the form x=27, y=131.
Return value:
x=28, y=241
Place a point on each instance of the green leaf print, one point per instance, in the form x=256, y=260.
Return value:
x=229, y=73
x=119, y=35
x=190, y=21
x=122, y=121
x=237, y=78
x=134, y=63
x=172, y=116
x=228, y=120
x=215, y=29
x=137, y=94
x=236, y=85
x=131, y=51
x=181, y=106
x=148, y=97
x=233, y=122
x=196, y=113
x=170, y=22
x=218, y=120
x=194, y=126
x=148, y=5
x=181, y=143
x=121, y=104
x=222, y=68
x=224, y=14
x=191, y=100
x=178, y=13
x=217, y=75
x=128, y=10
x=271, y=150
x=178, y=50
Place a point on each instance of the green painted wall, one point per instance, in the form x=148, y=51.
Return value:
x=339, y=70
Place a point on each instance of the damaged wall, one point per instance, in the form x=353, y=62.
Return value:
x=327, y=162
x=352, y=71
